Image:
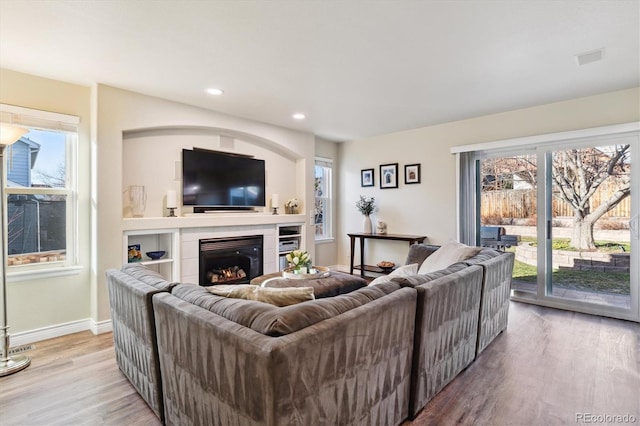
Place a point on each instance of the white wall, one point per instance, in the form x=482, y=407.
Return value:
x=120, y=112
x=45, y=302
x=429, y=208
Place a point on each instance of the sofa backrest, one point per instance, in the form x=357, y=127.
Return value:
x=279, y=321
x=134, y=334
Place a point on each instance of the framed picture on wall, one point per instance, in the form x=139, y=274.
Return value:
x=389, y=175
x=366, y=177
x=411, y=173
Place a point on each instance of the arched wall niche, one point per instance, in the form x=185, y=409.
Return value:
x=210, y=131
x=151, y=157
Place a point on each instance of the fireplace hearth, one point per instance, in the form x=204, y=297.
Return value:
x=233, y=260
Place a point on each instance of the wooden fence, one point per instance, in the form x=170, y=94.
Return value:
x=521, y=203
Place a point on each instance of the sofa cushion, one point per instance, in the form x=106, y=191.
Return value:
x=450, y=253
x=275, y=296
x=402, y=271
x=418, y=279
x=419, y=252
x=278, y=321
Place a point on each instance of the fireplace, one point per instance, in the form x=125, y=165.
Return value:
x=233, y=260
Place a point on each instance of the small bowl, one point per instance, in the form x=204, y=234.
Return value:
x=155, y=255
x=386, y=266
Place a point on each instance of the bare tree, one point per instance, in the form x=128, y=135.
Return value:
x=578, y=173
x=55, y=179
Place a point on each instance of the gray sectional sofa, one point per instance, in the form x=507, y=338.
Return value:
x=375, y=355
x=471, y=300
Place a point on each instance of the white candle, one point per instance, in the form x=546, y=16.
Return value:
x=274, y=201
x=172, y=199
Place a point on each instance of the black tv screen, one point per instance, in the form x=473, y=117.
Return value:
x=222, y=180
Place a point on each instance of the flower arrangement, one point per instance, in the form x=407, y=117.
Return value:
x=291, y=206
x=298, y=259
x=366, y=205
x=293, y=203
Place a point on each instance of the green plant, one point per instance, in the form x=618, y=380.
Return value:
x=366, y=205
x=298, y=258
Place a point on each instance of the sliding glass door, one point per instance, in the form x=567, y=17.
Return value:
x=569, y=211
x=589, y=237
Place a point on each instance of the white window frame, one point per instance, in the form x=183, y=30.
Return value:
x=328, y=199
x=55, y=122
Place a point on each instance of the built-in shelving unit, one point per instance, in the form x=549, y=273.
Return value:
x=155, y=240
x=290, y=237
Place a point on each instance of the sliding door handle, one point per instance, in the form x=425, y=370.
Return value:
x=633, y=226
x=548, y=229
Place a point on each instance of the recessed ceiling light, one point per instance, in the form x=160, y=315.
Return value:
x=299, y=116
x=215, y=92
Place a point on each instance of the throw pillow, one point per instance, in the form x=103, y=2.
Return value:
x=275, y=296
x=402, y=271
x=450, y=253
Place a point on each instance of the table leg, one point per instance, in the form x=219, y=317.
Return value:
x=362, y=257
x=353, y=244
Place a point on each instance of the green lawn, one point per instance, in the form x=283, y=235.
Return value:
x=604, y=246
x=610, y=282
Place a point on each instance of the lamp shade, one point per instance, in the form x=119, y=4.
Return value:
x=10, y=133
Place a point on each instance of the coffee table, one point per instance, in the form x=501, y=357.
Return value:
x=333, y=285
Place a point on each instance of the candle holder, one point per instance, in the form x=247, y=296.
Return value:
x=275, y=210
x=172, y=212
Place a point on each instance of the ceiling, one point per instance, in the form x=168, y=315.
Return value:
x=355, y=68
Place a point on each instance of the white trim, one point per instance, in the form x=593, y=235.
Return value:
x=40, y=114
x=39, y=334
x=550, y=137
x=36, y=274
x=105, y=326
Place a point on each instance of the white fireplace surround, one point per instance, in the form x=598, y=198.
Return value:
x=189, y=230
x=190, y=249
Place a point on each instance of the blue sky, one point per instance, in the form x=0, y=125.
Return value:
x=52, y=152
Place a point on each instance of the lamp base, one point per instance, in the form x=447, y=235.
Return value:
x=13, y=364
x=275, y=210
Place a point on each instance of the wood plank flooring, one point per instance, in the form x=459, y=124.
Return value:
x=548, y=368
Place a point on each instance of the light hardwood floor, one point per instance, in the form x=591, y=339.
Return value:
x=548, y=368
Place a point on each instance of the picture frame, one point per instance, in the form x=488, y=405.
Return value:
x=411, y=174
x=367, y=177
x=389, y=175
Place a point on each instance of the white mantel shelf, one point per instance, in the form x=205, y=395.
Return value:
x=209, y=220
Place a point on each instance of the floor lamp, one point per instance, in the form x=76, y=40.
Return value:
x=8, y=365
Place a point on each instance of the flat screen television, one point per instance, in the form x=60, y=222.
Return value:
x=213, y=180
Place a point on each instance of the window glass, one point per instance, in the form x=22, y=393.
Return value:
x=38, y=195
x=322, y=210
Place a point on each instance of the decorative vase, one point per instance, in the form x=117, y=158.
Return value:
x=137, y=200
x=368, y=226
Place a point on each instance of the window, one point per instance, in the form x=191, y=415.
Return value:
x=322, y=187
x=40, y=190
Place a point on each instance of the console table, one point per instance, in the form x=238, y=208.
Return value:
x=411, y=239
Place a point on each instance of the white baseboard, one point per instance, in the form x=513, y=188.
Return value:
x=340, y=268
x=101, y=327
x=31, y=336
